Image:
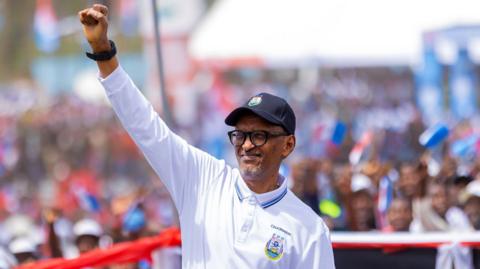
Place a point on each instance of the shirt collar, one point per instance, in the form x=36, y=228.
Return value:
x=264, y=199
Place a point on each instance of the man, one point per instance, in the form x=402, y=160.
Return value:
x=470, y=199
x=24, y=250
x=230, y=218
x=87, y=235
x=399, y=216
x=436, y=213
x=363, y=204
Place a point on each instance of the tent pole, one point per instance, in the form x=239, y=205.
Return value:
x=165, y=105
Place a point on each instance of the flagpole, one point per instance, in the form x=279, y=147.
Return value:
x=166, y=107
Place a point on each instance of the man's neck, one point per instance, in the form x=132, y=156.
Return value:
x=262, y=186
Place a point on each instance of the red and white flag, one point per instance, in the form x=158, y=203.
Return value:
x=360, y=149
x=47, y=36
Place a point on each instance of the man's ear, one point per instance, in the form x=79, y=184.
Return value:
x=288, y=146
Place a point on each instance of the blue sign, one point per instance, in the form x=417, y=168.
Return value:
x=429, y=92
x=462, y=86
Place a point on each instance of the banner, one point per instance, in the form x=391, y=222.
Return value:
x=463, y=98
x=429, y=92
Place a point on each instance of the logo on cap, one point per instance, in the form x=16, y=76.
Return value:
x=256, y=100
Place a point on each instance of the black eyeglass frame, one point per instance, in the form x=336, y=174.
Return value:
x=267, y=134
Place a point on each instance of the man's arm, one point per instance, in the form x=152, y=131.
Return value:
x=95, y=27
x=186, y=171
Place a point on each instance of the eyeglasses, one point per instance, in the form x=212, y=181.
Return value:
x=257, y=138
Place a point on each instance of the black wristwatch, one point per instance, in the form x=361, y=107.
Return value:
x=103, y=55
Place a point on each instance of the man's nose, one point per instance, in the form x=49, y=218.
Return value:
x=247, y=145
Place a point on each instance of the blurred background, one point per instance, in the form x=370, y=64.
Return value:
x=385, y=93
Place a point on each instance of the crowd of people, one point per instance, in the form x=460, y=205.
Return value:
x=69, y=169
x=71, y=179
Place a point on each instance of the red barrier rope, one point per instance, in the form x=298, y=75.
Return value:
x=119, y=253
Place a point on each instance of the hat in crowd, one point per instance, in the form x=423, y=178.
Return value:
x=361, y=182
x=22, y=245
x=472, y=190
x=18, y=225
x=87, y=227
x=269, y=107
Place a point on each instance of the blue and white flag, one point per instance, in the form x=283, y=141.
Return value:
x=465, y=147
x=434, y=135
x=385, y=194
x=87, y=200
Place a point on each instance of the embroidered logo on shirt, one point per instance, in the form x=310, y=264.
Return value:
x=255, y=101
x=274, y=247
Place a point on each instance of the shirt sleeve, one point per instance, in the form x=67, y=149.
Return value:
x=185, y=170
x=319, y=252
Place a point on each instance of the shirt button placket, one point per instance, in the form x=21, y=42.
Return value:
x=249, y=216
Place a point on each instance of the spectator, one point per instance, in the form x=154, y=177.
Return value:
x=399, y=216
x=470, y=199
x=305, y=183
x=435, y=213
x=457, y=186
x=87, y=235
x=411, y=184
x=342, y=194
x=363, y=203
x=23, y=248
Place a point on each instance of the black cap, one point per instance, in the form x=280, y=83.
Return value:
x=269, y=107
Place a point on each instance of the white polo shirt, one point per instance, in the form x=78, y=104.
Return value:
x=224, y=224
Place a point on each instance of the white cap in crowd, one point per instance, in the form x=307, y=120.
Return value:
x=472, y=190
x=361, y=182
x=87, y=227
x=22, y=245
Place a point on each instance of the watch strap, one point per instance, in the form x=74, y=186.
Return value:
x=103, y=55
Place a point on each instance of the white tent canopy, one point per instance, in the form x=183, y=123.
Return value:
x=336, y=32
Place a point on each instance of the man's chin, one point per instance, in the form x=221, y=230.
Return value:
x=250, y=174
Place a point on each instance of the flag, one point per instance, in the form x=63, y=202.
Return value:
x=87, y=200
x=433, y=135
x=47, y=36
x=326, y=136
x=338, y=134
x=134, y=219
x=128, y=17
x=360, y=150
x=465, y=147
x=385, y=197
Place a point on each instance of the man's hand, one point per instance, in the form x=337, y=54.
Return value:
x=95, y=26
